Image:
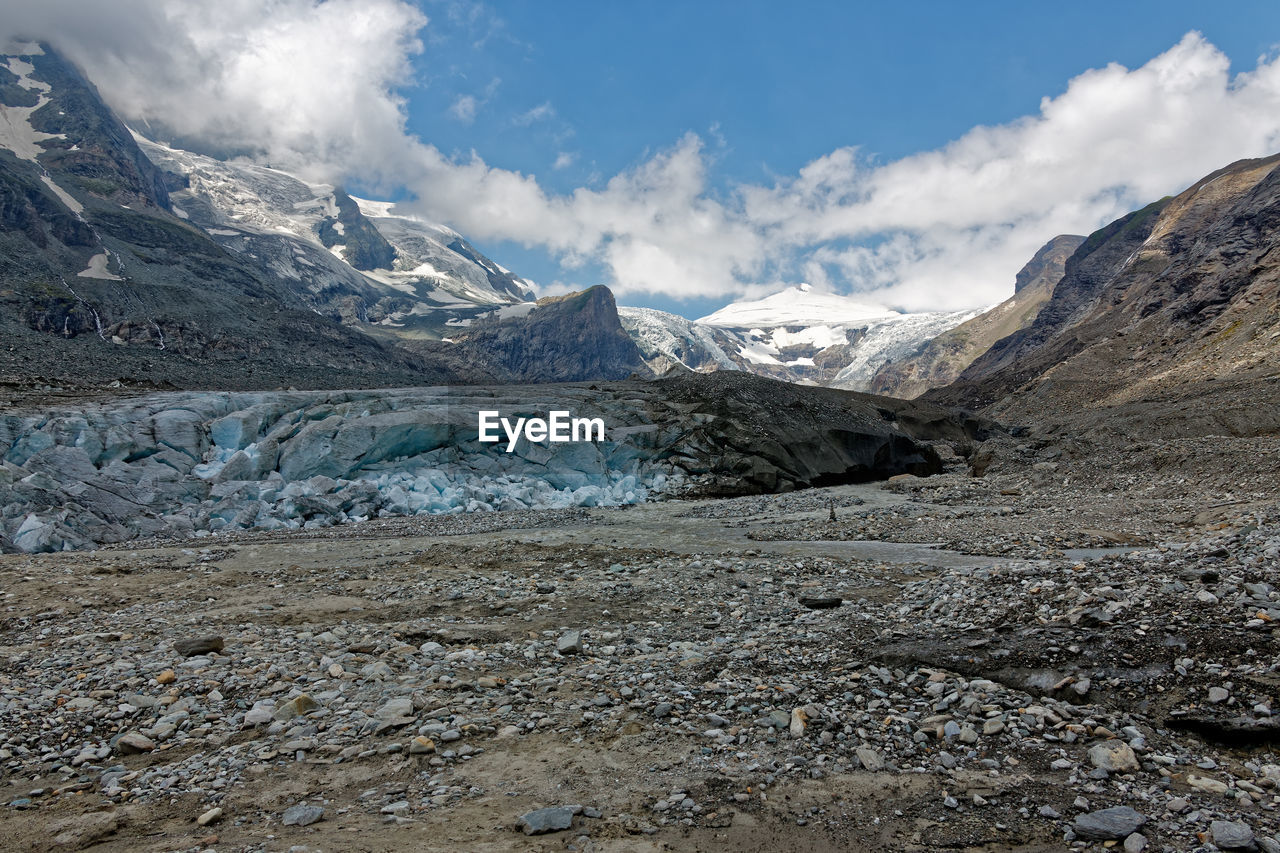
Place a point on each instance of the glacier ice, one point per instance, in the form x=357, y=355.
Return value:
x=197, y=463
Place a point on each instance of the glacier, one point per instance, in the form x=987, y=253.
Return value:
x=198, y=463
x=183, y=464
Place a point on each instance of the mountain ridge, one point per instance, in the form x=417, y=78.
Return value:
x=941, y=360
x=1172, y=309
x=128, y=262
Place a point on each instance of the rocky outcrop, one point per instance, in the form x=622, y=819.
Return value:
x=364, y=247
x=563, y=338
x=89, y=148
x=941, y=360
x=1166, y=322
x=183, y=463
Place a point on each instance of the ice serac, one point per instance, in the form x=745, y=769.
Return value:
x=183, y=464
x=941, y=359
x=1165, y=323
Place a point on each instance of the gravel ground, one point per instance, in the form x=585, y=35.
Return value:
x=710, y=675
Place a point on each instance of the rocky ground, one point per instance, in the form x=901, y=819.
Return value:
x=742, y=674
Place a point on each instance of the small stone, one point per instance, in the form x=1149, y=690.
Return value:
x=1050, y=812
x=1209, y=786
x=133, y=744
x=398, y=710
x=256, y=716
x=570, y=643
x=1135, y=843
x=798, y=720
x=993, y=726
x=1218, y=695
x=167, y=677
x=540, y=821
x=968, y=735
x=302, y=815
x=212, y=815
x=296, y=707
x=1113, y=756
x=198, y=646
x=1231, y=834
x=421, y=746
x=1108, y=824
x=869, y=758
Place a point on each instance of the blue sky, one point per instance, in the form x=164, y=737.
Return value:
x=689, y=154
x=604, y=85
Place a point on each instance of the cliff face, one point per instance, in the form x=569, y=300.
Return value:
x=1167, y=317
x=941, y=361
x=561, y=339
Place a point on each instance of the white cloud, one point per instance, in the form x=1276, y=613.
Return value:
x=963, y=218
x=539, y=113
x=310, y=86
x=564, y=160
x=464, y=109
x=314, y=86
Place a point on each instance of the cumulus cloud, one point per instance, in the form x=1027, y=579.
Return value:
x=961, y=219
x=313, y=86
x=309, y=86
x=564, y=160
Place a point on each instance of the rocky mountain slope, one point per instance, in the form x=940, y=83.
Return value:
x=101, y=279
x=557, y=339
x=125, y=261
x=1166, y=321
x=352, y=259
x=941, y=360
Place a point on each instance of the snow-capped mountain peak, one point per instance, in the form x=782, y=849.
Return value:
x=797, y=305
x=799, y=334
x=403, y=272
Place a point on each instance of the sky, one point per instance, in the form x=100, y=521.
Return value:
x=689, y=154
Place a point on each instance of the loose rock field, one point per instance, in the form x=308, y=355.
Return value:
x=742, y=674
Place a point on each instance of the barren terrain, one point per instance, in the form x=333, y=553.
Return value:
x=740, y=674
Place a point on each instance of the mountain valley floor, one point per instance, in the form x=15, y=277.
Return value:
x=1079, y=647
